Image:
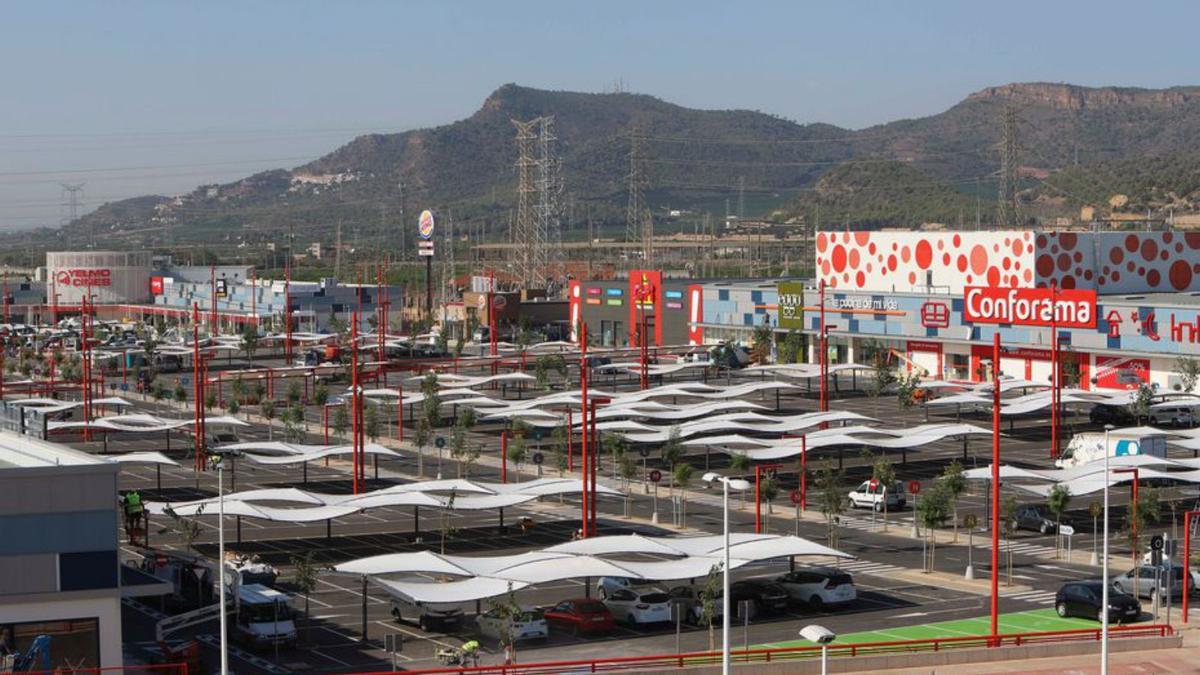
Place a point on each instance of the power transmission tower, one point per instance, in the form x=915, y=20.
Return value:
x=523, y=232
x=1007, y=195
x=639, y=225
x=741, y=198
x=548, y=223
x=337, y=253
x=71, y=198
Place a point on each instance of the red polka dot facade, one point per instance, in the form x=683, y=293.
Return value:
x=1108, y=262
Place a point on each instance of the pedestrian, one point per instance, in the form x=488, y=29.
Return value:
x=470, y=652
x=508, y=655
x=133, y=513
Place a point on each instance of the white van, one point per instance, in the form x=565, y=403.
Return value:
x=264, y=617
x=1173, y=416
x=1089, y=447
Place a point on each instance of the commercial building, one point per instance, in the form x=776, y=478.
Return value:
x=59, y=572
x=1125, y=305
x=106, y=276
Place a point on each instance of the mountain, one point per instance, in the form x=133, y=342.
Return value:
x=693, y=159
x=1168, y=182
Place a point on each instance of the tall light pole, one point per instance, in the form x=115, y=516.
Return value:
x=742, y=485
x=1104, y=565
x=217, y=457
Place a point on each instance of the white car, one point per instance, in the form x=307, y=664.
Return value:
x=819, y=586
x=606, y=585
x=689, y=597
x=530, y=624
x=866, y=498
x=637, y=606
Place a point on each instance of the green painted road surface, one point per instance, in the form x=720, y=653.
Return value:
x=1034, y=621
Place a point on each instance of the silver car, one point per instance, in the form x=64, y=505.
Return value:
x=1140, y=582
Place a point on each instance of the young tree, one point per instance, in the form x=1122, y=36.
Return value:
x=232, y=407
x=1008, y=512
x=559, y=447
x=181, y=395
x=371, y=422
x=239, y=390
x=210, y=400
x=906, y=390
x=462, y=450
x=341, y=421
x=422, y=438
x=672, y=452
x=709, y=597
x=617, y=447
x=304, y=578
x=760, y=345
x=321, y=395
x=628, y=470
x=517, y=449
x=792, y=349
x=1187, y=368
x=293, y=393
x=884, y=473
x=956, y=484
x=768, y=489
x=1139, y=407
x=250, y=342
x=682, y=476
x=740, y=463
x=1057, y=501
x=933, y=509
x=831, y=499
x=447, y=529
x=431, y=402
x=267, y=410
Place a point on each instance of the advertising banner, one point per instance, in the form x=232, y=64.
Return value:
x=791, y=305
x=1030, y=306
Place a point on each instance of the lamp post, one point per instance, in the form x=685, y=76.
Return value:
x=822, y=636
x=741, y=485
x=1104, y=564
x=217, y=458
x=1187, y=553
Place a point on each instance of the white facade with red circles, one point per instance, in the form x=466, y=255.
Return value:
x=1108, y=262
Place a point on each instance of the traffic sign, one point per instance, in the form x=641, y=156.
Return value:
x=440, y=441
x=914, y=486
x=124, y=386
x=113, y=386
x=644, y=451
x=1066, y=530
x=655, y=475
x=873, y=485
x=795, y=496
x=1156, y=542
x=482, y=302
x=185, y=381
x=499, y=302
x=538, y=458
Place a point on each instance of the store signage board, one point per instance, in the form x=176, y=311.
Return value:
x=791, y=305
x=1073, y=308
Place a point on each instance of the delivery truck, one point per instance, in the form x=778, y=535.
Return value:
x=1090, y=446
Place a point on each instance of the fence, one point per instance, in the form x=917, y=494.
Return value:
x=154, y=669
x=789, y=653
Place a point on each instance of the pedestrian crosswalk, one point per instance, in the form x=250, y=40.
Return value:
x=869, y=567
x=1036, y=597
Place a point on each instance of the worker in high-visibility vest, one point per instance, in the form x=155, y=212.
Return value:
x=133, y=512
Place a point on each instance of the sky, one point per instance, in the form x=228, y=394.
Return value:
x=136, y=98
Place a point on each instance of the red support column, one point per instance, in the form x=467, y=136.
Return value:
x=356, y=392
x=325, y=422
x=197, y=421
x=804, y=472
x=757, y=501
x=570, y=439
x=504, y=457
x=1055, y=390
x=583, y=389
x=822, y=343
x=1187, y=554
x=995, y=606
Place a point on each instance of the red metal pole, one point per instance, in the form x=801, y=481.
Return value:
x=504, y=457
x=212, y=315
x=583, y=391
x=356, y=392
x=287, y=314
x=570, y=438
x=254, y=297
x=325, y=422
x=1055, y=394
x=400, y=414
x=995, y=613
x=804, y=472
x=196, y=422
x=822, y=342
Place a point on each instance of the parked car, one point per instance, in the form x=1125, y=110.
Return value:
x=606, y=585
x=863, y=497
x=581, y=615
x=764, y=596
x=1083, y=599
x=530, y=624
x=1141, y=581
x=639, y=606
x=819, y=586
x=1034, y=517
x=441, y=619
x=693, y=603
x=1116, y=415
x=1173, y=416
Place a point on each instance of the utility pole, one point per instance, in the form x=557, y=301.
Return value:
x=1007, y=195
x=337, y=252
x=741, y=198
x=639, y=223
x=72, y=196
x=548, y=222
x=403, y=224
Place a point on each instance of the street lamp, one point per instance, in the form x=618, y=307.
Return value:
x=1104, y=564
x=741, y=485
x=217, y=459
x=822, y=636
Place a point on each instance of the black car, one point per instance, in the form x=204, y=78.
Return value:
x=1083, y=598
x=1036, y=518
x=764, y=596
x=1117, y=415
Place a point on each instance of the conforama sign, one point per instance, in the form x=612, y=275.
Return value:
x=83, y=277
x=1069, y=308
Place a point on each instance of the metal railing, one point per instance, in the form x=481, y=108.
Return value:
x=694, y=659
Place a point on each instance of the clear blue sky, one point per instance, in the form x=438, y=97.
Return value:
x=156, y=97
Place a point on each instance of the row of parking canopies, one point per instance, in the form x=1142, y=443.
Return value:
x=431, y=578
x=450, y=494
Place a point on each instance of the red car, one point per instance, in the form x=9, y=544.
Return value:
x=582, y=615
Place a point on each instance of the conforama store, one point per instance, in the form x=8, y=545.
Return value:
x=1126, y=305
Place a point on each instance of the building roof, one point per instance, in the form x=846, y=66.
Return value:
x=18, y=451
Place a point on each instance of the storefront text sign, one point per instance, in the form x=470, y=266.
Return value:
x=1072, y=308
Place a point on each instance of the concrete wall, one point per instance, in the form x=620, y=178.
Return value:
x=106, y=609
